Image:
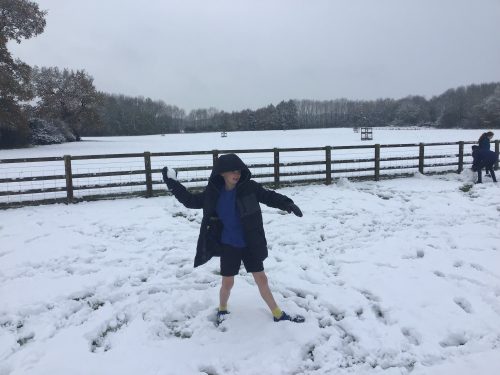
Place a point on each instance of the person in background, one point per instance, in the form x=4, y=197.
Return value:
x=483, y=157
x=484, y=141
x=232, y=226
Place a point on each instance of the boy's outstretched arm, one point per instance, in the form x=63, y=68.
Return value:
x=272, y=199
x=180, y=192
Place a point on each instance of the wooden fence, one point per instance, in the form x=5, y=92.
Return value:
x=282, y=166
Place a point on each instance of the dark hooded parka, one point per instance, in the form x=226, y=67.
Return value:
x=249, y=194
x=483, y=158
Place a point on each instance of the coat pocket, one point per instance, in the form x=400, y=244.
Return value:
x=214, y=233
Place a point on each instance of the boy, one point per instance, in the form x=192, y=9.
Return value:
x=232, y=226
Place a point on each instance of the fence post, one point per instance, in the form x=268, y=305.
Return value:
x=460, y=157
x=276, y=168
x=69, y=178
x=421, y=154
x=497, y=150
x=377, y=162
x=149, y=179
x=328, y=157
x=215, y=156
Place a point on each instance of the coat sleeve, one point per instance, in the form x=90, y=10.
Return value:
x=271, y=198
x=190, y=200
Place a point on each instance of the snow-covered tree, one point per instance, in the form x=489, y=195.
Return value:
x=488, y=112
x=66, y=95
x=19, y=19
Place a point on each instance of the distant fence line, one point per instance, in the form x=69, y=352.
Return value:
x=282, y=167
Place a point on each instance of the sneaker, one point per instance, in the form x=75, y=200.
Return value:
x=221, y=316
x=293, y=318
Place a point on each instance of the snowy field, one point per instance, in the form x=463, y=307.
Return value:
x=241, y=140
x=393, y=277
x=22, y=173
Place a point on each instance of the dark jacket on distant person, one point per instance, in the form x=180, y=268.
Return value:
x=482, y=158
x=249, y=194
x=482, y=154
x=484, y=142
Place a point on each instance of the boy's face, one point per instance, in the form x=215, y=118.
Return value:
x=231, y=178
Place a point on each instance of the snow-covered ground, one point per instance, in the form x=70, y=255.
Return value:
x=241, y=140
x=393, y=277
x=210, y=141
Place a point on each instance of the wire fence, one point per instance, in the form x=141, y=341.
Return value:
x=71, y=179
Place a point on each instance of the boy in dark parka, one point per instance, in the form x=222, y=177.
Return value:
x=232, y=226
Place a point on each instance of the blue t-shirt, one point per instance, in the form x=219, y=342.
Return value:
x=232, y=233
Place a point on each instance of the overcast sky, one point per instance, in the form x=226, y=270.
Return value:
x=237, y=54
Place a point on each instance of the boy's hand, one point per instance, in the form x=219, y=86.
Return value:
x=295, y=209
x=168, y=174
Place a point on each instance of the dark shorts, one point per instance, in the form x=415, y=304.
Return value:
x=231, y=257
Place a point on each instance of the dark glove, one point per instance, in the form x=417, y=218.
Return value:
x=295, y=209
x=165, y=174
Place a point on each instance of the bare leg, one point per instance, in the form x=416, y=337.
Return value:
x=225, y=289
x=261, y=281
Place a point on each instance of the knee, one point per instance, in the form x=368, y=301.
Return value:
x=260, y=278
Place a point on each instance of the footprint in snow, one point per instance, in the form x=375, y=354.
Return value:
x=419, y=254
x=464, y=304
x=301, y=293
x=208, y=370
x=183, y=271
x=179, y=329
x=336, y=314
x=369, y=296
x=101, y=342
x=477, y=267
x=359, y=312
x=26, y=338
x=381, y=315
x=411, y=335
x=454, y=339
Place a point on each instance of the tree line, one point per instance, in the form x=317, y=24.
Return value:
x=41, y=105
x=473, y=106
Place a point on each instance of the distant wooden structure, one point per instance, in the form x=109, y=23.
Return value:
x=355, y=130
x=366, y=134
x=223, y=134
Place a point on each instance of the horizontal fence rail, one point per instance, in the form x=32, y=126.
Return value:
x=70, y=179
